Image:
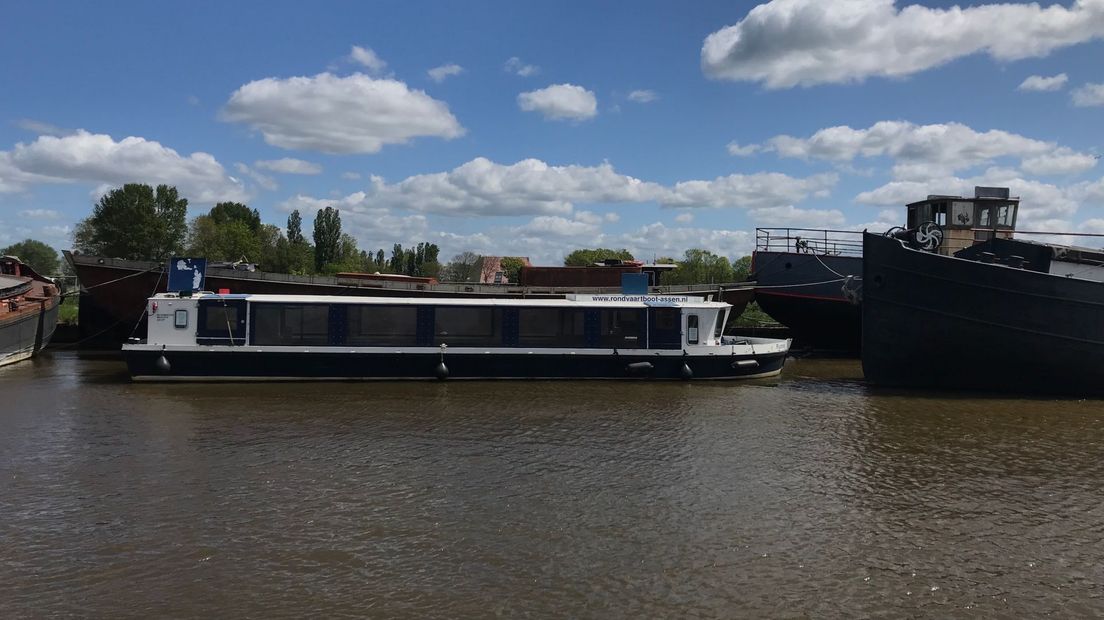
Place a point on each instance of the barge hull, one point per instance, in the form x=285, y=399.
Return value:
x=949, y=323
x=805, y=293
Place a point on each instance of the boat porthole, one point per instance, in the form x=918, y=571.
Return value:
x=878, y=281
x=789, y=265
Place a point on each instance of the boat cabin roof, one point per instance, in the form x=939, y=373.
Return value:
x=576, y=301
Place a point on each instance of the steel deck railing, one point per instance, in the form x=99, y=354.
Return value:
x=809, y=240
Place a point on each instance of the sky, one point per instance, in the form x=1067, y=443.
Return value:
x=532, y=129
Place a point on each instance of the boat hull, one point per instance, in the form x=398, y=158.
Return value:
x=803, y=292
x=25, y=333
x=241, y=365
x=948, y=323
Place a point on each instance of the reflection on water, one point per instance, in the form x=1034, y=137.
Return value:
x=811, y=496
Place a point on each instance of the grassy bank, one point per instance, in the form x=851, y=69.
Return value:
x=753, y=316
x=67, y=312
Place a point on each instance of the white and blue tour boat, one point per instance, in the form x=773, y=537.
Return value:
x=206, y=336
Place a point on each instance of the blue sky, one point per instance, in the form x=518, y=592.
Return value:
x=547, y=127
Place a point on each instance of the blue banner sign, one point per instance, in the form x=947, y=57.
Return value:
x=186, y=274
x=634, y=284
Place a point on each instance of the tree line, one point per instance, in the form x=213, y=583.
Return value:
x=140, y=222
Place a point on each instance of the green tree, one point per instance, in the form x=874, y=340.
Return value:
x=295, y=228
x=273, y=253
x=585, y=257
x=225, y=212
x=381, y=260
x=741, y=268
x=701, y=267
x=511, y=267
x=136, y=223
x=464, y=267
x=299, y=253
x=231, y=231
x=398, y=258
x=41, y=257
x=327, y=237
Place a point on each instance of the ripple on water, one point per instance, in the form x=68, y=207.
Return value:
x=812, y=495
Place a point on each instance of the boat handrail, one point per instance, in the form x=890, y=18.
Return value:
x=821, y=241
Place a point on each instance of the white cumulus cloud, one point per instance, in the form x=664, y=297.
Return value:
x=735, y=148
x=39, y=214
x=792, y=216
x=340, y=115
x=643, y=96
x=560, y=102
x=438, y=74
x=748, y=191
x=367, y=58
x=1039, y=83
x=288, y=165
x=1089, y=95
x=518, y=67
x=481, y=187
x=925, y=151
x=98, y=158
x=785, y=43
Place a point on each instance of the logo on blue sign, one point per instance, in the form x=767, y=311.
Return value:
x=186, y=274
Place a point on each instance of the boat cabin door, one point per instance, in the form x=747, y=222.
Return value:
x=664, y=328
x=221, y=322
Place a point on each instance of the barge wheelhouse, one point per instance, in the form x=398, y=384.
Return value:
x=285, y=337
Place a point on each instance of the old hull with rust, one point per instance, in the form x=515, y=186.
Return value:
x=28, y=314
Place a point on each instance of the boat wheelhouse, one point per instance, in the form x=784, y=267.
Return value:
x=209, y=336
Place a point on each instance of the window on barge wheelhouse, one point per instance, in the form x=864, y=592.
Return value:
x=551, y=328
x=377, y=326
x=468, y=326
x=621, y=329
x=291, y=324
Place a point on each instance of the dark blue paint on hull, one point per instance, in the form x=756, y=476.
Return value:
x=797, y=290
x=244, y=365
x=948, y=323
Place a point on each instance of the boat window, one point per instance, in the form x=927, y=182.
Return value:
x=621, y=329
x=962, y=214
x=551, y=327
x=983, y=216
x=1005, y=214
x=468, y=326
x=291, y=324
x=692, y=329
x=180, y=318
x=218, y=319
x=220, y=322
x=718, y=326
x=666, y=318
x=369, y=326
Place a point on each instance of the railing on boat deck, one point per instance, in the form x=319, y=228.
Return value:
x=809, y=240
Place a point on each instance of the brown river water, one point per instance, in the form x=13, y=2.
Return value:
x=808, y=496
